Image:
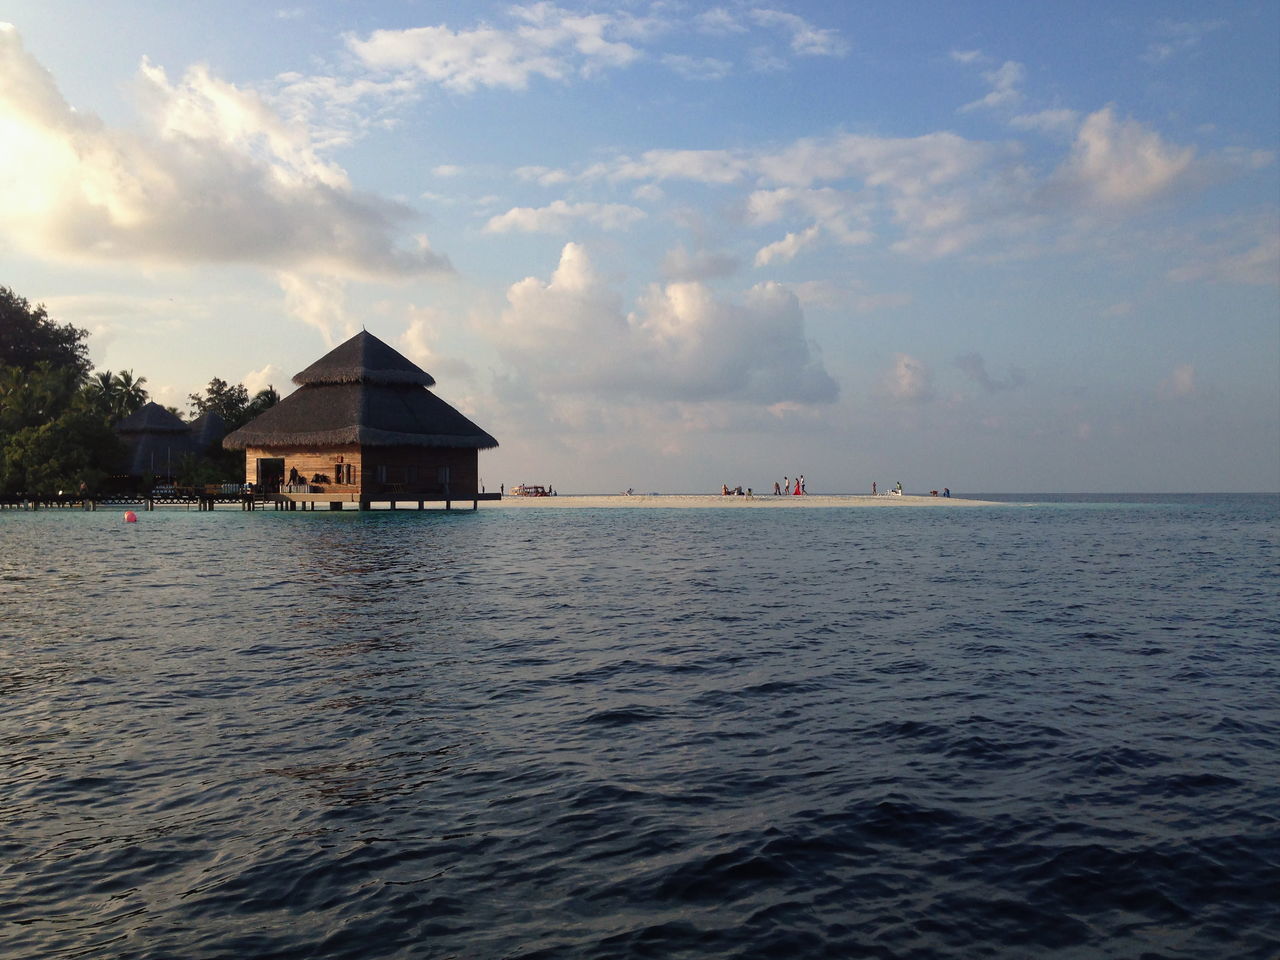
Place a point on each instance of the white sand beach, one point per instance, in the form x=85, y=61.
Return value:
x=694, y=501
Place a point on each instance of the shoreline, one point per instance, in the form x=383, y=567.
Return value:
x=715, y=500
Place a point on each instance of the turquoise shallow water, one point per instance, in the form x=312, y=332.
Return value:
x=1049, y=729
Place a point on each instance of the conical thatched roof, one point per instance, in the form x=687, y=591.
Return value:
x=207, y=429
x=341, y=402
x=151, y=418
x=364, y=359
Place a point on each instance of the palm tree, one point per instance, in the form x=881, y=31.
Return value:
x=129, y=393
x=102, y=391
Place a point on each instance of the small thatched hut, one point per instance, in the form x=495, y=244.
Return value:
x=363, y=426
x=155, y=441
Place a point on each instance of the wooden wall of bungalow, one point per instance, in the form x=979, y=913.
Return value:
x=375, y=471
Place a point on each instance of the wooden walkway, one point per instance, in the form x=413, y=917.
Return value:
x=269, y=501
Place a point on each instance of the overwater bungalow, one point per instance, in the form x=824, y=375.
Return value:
x=363, y=427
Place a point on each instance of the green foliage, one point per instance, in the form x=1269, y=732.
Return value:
x=28, y=338
x=116, y=395
x=34, y=397
x=59, y=454
x=220, y=397
x=232, y=403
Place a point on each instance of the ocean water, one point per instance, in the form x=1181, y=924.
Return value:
x=1043, y=729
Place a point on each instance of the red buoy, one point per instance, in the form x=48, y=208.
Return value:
x=130, y=517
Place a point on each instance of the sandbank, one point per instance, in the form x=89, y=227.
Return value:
x=704, y=501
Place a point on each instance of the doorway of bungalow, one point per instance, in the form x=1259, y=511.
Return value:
x=270, y=473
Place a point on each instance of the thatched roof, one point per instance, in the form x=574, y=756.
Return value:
x=343, y=403
x=364, y=359
x=207, y=430
x=151, y=418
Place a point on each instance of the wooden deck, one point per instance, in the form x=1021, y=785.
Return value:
x=257, y=501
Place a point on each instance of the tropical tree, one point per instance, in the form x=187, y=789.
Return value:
x=59, y=455
x=262, y=401
x=232, y=403
x=129, y=393
x=220, y=397
x=54, y=433
x=28, y=337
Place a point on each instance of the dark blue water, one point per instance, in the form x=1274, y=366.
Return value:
x=1021, y=731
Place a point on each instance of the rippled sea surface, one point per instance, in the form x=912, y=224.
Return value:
x=1037, y=730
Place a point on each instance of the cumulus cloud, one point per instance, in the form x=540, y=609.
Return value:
x=425, y=331
x=319, y=302
x=908, y=380
x=975, y=367
x=681, y=342
x=546, y=42
x=212, y=175
x=785, y=250
x=1120, y=162
x=1004, y=81
x=269, y=376
x=559, y=216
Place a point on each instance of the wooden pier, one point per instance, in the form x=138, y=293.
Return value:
x=244, y=501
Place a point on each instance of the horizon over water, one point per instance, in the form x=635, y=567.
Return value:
x=1050, y=729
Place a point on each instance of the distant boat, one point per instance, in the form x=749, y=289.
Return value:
x=529, y=490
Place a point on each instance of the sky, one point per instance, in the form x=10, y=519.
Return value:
x=992, y=246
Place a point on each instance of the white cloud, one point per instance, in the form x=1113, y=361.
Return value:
x=1121, y=162
x=544, y=176
x=681, y=342
x=319, y=302
x=546, y=42
x=212, y=175
x=838, y=212
x=701, y=166
x=426, y=330
x=908, y=380
x=718, y=22
x=786, y=249
x=1004, y=82
x=967, y=56
x=1057, y=122
x=269, y=376
x=559, y=216
x=806, y=39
